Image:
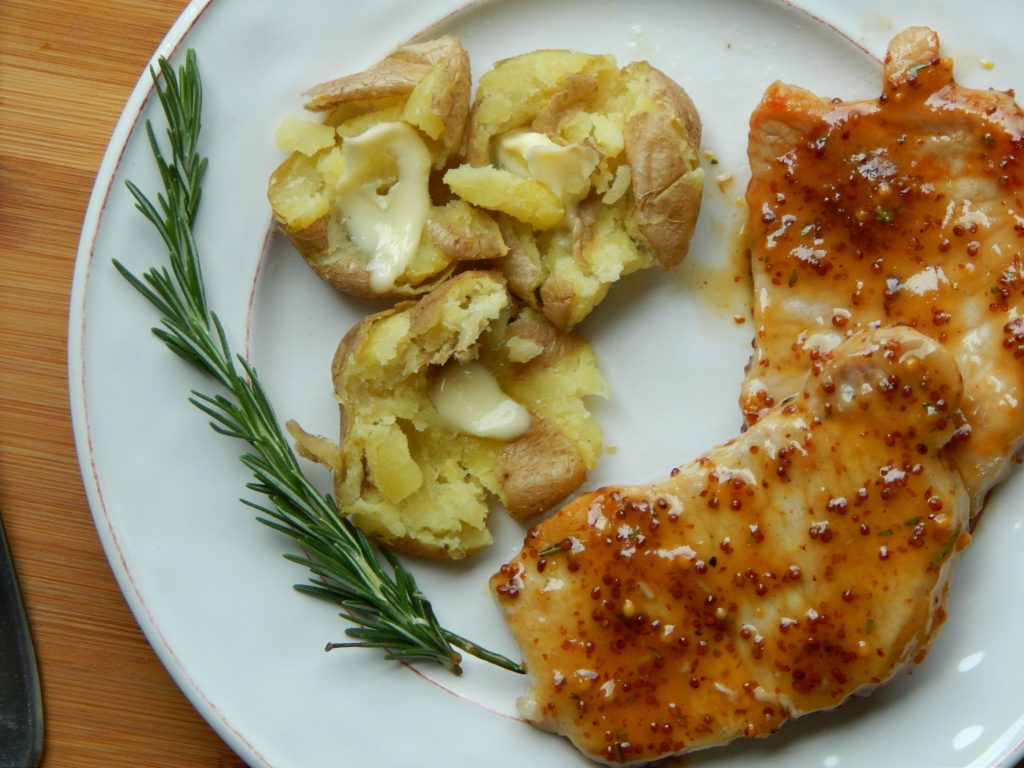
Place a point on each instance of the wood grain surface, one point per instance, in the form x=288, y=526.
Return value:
x=66, y=69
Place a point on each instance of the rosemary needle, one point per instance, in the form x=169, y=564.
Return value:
x=378, y=594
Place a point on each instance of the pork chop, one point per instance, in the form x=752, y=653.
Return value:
x=906, y=209
x=800, y=563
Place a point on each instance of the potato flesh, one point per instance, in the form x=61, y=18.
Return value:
x=512, y=94
x=386, y=391
x=556, y=390
x=576, y=100
x=305, y=136
x=495, y=189
x=423, y=86
x=405, y=476
x=297, y=192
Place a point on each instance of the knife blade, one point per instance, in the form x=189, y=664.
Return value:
x=21, y=704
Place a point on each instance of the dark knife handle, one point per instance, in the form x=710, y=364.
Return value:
x=21, y=705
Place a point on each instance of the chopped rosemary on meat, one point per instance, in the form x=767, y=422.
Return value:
x=554, y=549
x=946, y=549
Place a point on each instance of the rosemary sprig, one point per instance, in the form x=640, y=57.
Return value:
x=382, y=600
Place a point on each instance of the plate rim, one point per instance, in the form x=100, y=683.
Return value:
x=102, y=189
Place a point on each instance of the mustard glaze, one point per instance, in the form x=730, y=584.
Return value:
x=909, y=210
x=775, y=575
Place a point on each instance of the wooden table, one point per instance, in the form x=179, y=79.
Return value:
x=66, y=69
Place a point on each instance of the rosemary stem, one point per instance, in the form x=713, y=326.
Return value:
x=383, y=602
x=482, y=653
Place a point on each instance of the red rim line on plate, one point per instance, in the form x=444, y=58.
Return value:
x=128, y=123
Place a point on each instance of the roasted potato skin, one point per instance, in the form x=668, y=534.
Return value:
x=434, y=75
x=659, y=143
x=646, y=194
x=538, y=470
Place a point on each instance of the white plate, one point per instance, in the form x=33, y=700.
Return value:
x=208, y=584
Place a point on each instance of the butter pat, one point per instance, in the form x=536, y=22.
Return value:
x=468, y=400
x=565, y=170
x=383, y=195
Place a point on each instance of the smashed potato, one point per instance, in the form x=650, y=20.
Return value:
x=592, y=172
x=461, y=396
x=354, y=195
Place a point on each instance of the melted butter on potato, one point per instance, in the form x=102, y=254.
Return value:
x=564, y=169
x=469, y=400
x=399, y=249
x=383, y=194
x=413, y=471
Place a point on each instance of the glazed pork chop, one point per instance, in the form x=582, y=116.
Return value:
x=907, y=209
x=802, y=562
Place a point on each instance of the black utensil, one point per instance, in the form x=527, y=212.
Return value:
x=21, y=704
